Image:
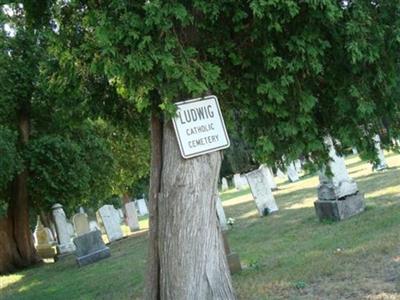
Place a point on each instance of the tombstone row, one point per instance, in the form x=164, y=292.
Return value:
x=83, y=236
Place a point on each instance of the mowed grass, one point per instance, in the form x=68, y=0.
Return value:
x=287, y=255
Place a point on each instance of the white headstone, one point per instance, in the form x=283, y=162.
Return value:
x=64, y=230
x=40, y=235
x=93, y=225
x=237, y=181
x=224, y=185
x=245, y=183
x=43, y=244
x=354, y=150
x=297, y=164
x=280, y=174
x=221, y=214
x=292, y=173
x=110, y=220
x=131, y=216
x=382, y=162
x=261, y=191
x=343, y=184
x=121, y=215
x=142, y=207
x=50, y=236
x=81, y=223
x=240, y=181
x=267, y=173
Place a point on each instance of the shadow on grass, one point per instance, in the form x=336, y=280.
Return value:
x=105, y=279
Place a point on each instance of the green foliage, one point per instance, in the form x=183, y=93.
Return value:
x=287, y=73
x=80, y=150
x=10, y=160
x=71, y=171
x=131, y=154
x=292, y=72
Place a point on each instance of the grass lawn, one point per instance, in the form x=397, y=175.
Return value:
x=287, y=255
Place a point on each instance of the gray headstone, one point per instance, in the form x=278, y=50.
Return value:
x=341, y=184
x=43, y=244
x=237, y=181
x=110, y=219
x=93, y=225
x=292, y=172
x=297, y=164
x=221, y=214
x=64, y=230
x=262, y=193
x=240, y=182
x=142, y=207
x=340, y=209
x=280, y=174
x=131, y=216
x=121, y=215
x=81, y=223
x=90, y=248
x=224, y=185
x=382, y=161
x=268, y=174
x=338, y=196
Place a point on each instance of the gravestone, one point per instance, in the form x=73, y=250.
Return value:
x=237, y=181
x=90, y=248
x=381, y=157
x=292, y=173
x=232, y=258
x=297, y=164
x=245, y=183
x=280, y=174
x=50, y=236
x=43, y=244
x=354, y=150
x=142, y=207
x=81, y=223
x=93, y=225
x=338, y=196
x=64, y=229
x=262, y=193
x=240, y=182
x=224, y=185
x=267, y=172
x=131, y=216
x=121, y=215
x=221, y=214
x=109, y=217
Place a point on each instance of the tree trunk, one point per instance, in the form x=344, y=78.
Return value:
x=15, y=234
x=152, y=288
x=186, y=254
x=10, y=259
x=125, y=199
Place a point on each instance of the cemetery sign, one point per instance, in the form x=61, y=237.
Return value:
x=199, y=127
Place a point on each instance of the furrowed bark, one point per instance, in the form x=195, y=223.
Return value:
x=152, y=288
x=16, y=236
x=191, y=252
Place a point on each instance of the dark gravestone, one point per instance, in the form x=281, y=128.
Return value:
x=232, y=258
x=340, y=209
x=90, y=248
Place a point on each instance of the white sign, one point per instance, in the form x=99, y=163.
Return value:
x=199, y=127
